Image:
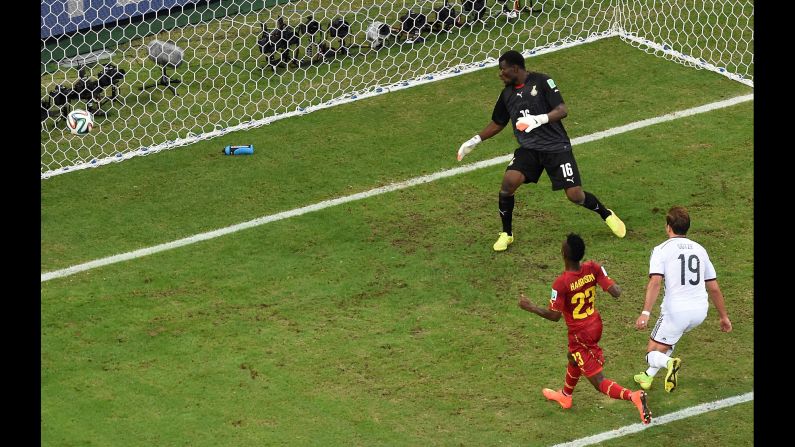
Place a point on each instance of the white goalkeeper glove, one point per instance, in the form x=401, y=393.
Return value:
x=468, y=146
x=528, y=123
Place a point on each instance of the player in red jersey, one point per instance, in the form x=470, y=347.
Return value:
x=573, y=296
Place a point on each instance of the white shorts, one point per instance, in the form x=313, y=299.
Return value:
x=672, y=325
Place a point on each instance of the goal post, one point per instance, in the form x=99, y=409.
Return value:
x=237, y=64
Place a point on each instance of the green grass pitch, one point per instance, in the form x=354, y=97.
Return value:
x=389, y=320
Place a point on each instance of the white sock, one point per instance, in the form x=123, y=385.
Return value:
x=657, y=359
x=651, y=371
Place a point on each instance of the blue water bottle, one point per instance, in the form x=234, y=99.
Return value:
x=247, y=149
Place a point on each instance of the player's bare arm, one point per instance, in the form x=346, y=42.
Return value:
x=713, y=290
x=614, y=290
x=549, y=314
x=652, y=290
x=530, y=122
x=490, y=130
x=558, y=113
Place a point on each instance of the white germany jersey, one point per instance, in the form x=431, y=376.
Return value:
x=685, y=266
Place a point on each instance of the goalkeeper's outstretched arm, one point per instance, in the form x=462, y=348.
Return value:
x=489, y=131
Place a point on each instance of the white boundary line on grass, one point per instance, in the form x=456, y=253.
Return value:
x=374, y=192
x=664, y=419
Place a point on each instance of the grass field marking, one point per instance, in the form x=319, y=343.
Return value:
x=664, y=419
x=692, y=60
x=374, y=192
x=661, y=119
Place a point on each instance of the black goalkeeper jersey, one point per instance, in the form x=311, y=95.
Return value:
x=538, y=95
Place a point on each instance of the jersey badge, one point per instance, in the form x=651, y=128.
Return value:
x=534, y=91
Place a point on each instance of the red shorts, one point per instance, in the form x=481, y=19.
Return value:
x=584, y=347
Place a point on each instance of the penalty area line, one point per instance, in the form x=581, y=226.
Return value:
x=377, y=191
x=664, y=419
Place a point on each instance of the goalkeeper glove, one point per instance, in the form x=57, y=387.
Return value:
x=528, y=123
x=468, y=146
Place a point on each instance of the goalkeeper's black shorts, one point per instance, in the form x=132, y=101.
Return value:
x=561, y=167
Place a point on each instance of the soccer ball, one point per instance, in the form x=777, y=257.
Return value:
x=79, y=122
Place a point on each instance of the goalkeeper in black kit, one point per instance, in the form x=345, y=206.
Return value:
x=533, y=103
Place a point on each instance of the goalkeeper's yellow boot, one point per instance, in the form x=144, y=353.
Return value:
x=503, y=242
x=644, y=380
x=557, y=396
x=670, y=377
x=615, y=224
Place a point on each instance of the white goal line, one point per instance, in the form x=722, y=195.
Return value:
x=664, y=419
x=377, y=191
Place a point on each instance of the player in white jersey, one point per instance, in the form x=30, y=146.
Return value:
x=689, y=279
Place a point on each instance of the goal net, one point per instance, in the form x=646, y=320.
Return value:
x=159, y=74
x=717, y=35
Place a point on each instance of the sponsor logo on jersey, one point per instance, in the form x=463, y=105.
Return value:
x=551, y=84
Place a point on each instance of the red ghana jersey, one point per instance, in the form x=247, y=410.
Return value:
x=574, y=295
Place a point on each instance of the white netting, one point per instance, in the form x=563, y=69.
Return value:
x=714, y=34
x=99, y=54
